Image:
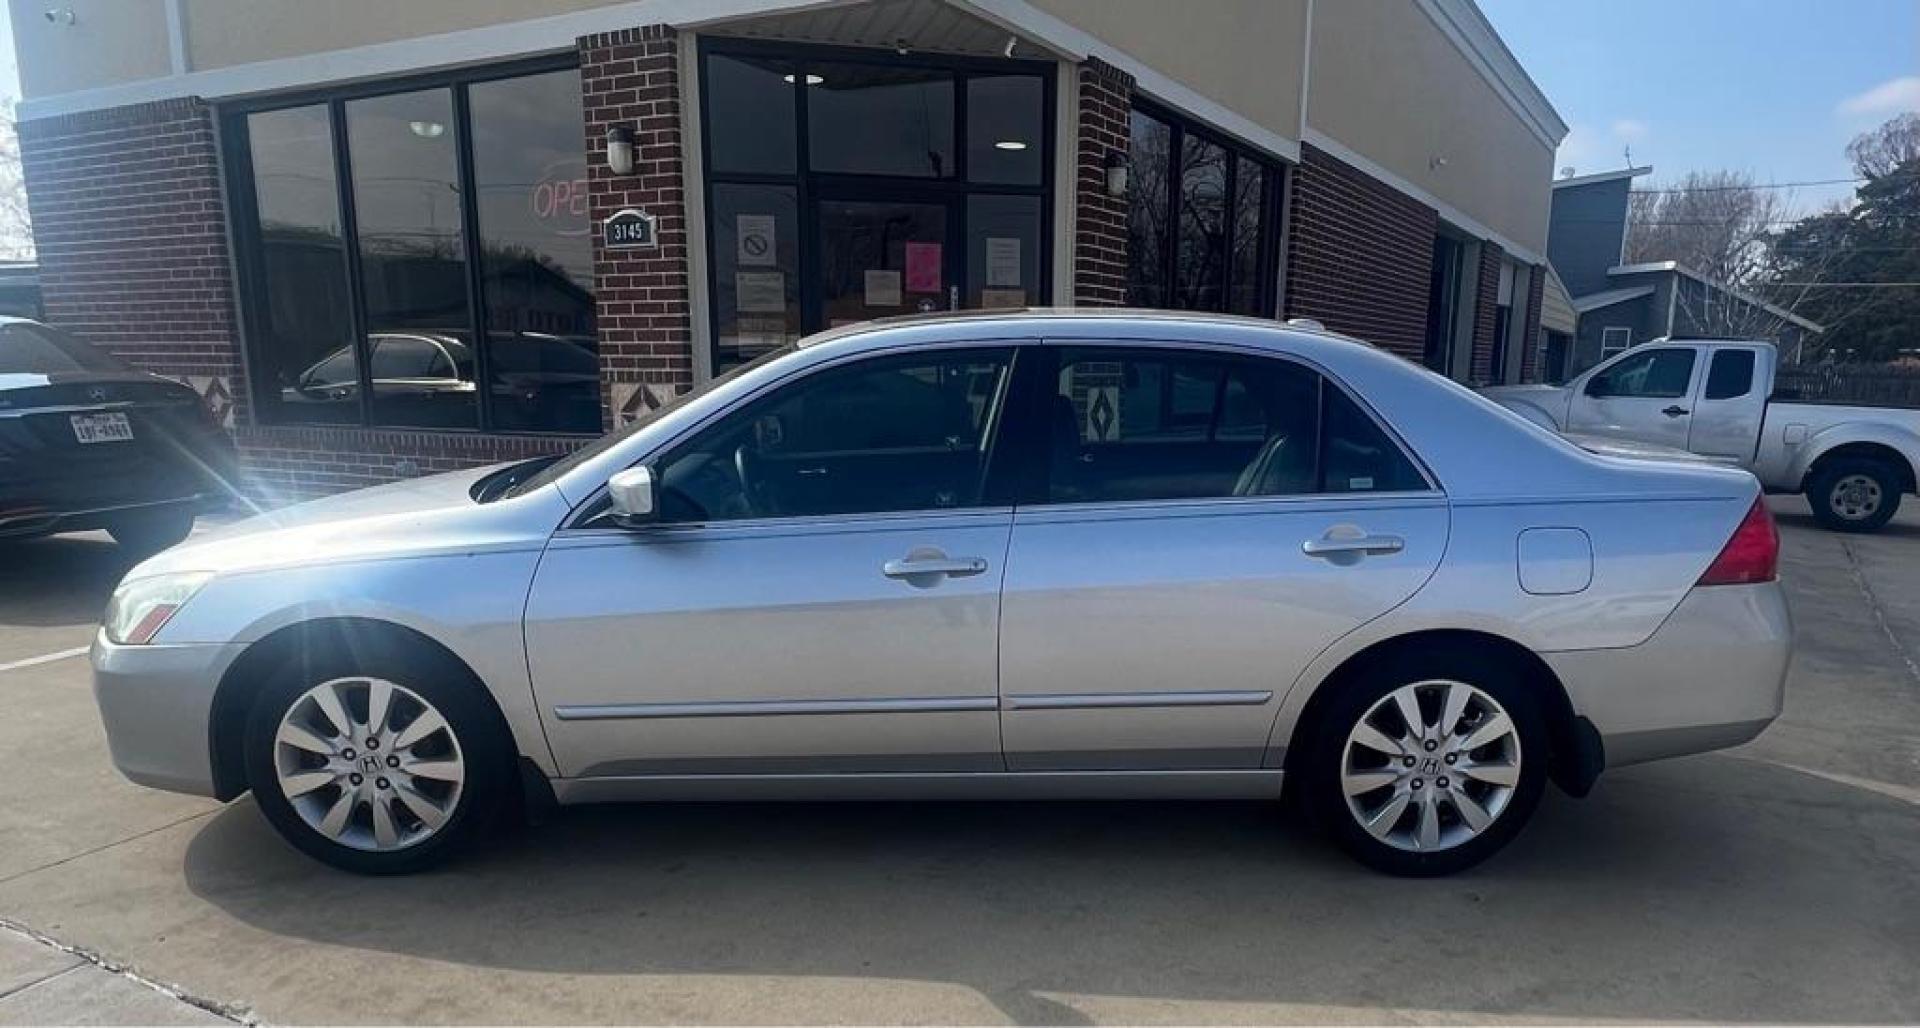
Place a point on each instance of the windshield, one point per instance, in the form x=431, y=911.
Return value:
x=554, y=471
x=31, y=349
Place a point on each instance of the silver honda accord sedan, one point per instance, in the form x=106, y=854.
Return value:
x=1012, y=555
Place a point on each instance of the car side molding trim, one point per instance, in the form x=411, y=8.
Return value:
x=777, y=708
x=1091, y=700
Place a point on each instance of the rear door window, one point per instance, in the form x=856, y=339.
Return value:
x=1730, y=375
x=1133, y=424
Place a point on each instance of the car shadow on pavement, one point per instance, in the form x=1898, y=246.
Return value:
x=59, y=580
x=1710, y=888
x=1902, y=527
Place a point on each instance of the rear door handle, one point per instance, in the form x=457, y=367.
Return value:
x=1333, y=546
x=916, y=567
x=1675, y=411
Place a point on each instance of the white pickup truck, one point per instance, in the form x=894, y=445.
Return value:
x=1715, y=398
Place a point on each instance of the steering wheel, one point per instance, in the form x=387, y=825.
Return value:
x=746, y=465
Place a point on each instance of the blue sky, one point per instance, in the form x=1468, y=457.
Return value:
x=1771, y=87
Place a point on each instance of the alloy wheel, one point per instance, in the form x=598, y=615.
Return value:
x=1430, y=765
x=368, y=764
x=1855, y=497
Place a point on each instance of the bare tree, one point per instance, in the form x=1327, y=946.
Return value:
x=16, y=228
x=1887, y=149
x=1715, y=222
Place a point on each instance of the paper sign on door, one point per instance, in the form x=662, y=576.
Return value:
x=923, y=267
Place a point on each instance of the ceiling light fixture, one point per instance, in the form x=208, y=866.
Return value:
x=427, y=129
x=812, y=79
x=1010, y=144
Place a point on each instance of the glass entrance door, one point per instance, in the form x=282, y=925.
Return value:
x=883, y=257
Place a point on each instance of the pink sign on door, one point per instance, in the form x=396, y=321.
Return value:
x=923, y=267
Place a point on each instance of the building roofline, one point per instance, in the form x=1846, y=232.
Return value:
x=1603, y=176
x=1595, y=301
x=1653, y=267
x=1467, y=28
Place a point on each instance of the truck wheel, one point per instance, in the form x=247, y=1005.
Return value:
x=1854, y=494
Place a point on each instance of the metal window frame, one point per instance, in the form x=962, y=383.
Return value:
x=249, y=249
x=1272, y=210
x=809, y=186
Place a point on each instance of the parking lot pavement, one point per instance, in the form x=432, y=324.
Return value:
x=1774, y=882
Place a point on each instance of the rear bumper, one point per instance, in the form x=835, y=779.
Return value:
x=23, y=520
x=1713, y=676
x=156, y=703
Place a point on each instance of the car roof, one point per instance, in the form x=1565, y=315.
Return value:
x=1038, y=321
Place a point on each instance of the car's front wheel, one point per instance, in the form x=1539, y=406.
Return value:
x=1426, y=766
x=384, y=768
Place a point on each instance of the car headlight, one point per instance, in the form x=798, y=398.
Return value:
x=140, y=608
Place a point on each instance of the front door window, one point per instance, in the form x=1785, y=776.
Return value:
x=880, y=259
x=846, y=185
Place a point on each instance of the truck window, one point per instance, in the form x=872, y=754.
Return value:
x=1730, y=374
x=1651, y=374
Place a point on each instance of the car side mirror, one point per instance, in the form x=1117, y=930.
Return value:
x=634, y=497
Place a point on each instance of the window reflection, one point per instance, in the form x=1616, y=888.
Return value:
x=304, y=361
x=750, y=127
x=880, y=119
x=407, y=204
x=1147, y=223
x=1004, y=126
x=536, y=254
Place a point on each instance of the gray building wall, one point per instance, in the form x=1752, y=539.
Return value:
x=1586, y=227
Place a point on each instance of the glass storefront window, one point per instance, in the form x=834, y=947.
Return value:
x=1005, y=119
x=1150, y=157
x=304, y=358
x=880, y=119
x=1203, y=220
x=413, y=259
x=1003, y=251
x=536, y=254
x=750, y=125
x=756, y=261
x=389, y=251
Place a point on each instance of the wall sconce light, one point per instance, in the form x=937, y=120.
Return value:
x=1116, y=175
x=620, y=150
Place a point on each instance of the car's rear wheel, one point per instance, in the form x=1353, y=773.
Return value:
x=1854, y=494
x=149, y=532
x=379, y=766
x=1426, y=766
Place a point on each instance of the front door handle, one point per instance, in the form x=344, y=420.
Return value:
x=1350, y=546
x=1674, y=411
x=915, y=565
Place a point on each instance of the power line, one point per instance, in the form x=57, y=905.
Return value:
x=1844, y=285
x=1891, y=176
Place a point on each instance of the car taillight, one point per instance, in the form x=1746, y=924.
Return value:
x=1752, y=555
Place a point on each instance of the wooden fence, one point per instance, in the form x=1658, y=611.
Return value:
x=1865, y=385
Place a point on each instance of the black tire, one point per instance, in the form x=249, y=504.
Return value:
x=485, y=746
x=150, y=532
x=1824, y=499
x=1319, y=771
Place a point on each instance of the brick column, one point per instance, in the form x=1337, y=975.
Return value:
x=1486, y=299
x=131, y=232
x=632, y=78
x=1530, y=340
x=1359, y=254
x=1099, y=220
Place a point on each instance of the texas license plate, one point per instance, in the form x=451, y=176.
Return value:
x=102, y=428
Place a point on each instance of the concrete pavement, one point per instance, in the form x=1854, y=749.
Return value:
x=1770, y=883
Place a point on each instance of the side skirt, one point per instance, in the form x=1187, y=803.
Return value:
x=1263, y=783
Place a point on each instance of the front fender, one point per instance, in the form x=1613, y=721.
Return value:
x=469, y=603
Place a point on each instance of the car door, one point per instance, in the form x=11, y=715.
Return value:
x=1729, y=406
x=820, y=594
x=1645, y=395
x=1206, y=522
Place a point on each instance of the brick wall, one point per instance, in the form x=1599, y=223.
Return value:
x=294, y=462
x=632, y=78
x=1099, y=220
x=1359, y=255
x=1530, y=339
x=131, y=231
x=1486, y=300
